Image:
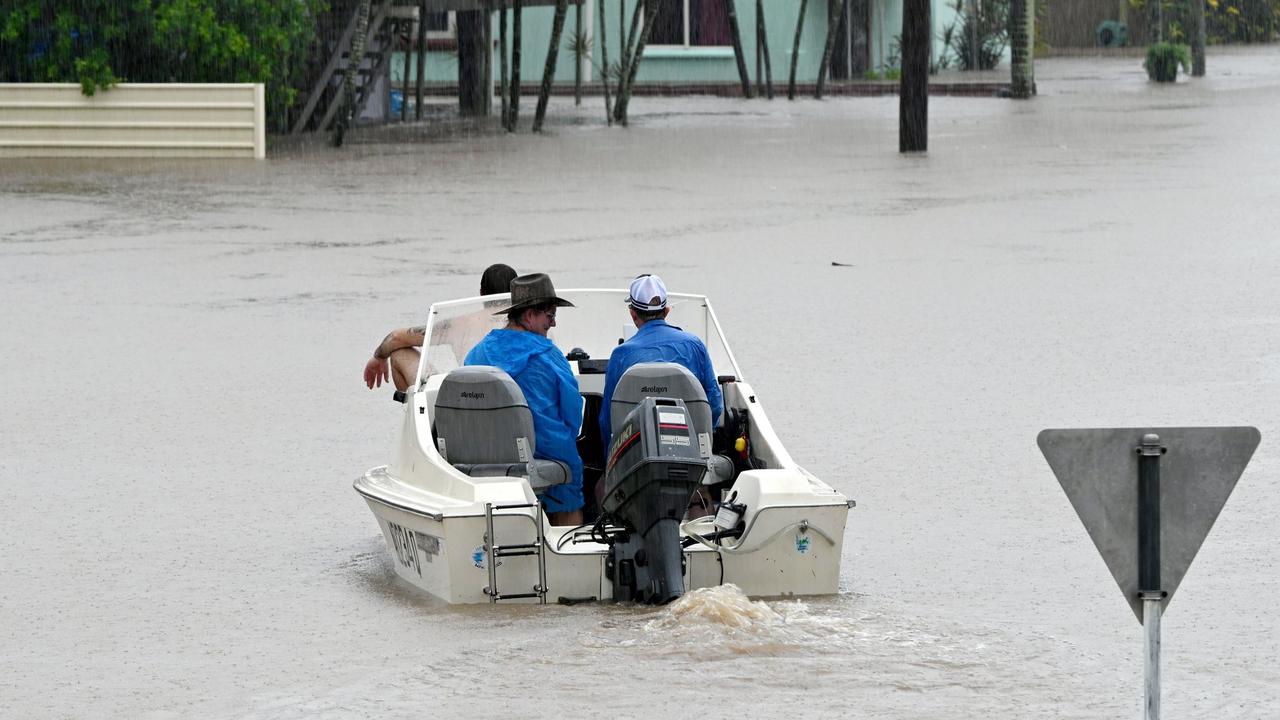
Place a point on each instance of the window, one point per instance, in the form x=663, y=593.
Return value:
x=690, y=23
x=439, y=22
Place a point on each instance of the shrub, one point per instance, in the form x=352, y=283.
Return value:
x=1163, y=59
x=100, y=42
x=992, y=23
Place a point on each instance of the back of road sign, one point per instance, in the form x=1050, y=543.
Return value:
x=1098, y=469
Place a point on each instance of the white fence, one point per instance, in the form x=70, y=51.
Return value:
x=133, y=120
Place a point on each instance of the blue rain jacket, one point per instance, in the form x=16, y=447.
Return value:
x=657, y=341
x=551, y=390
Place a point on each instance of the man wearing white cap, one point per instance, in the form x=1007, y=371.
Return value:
x=657, y=341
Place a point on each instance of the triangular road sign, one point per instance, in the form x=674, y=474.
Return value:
x=1098, y=469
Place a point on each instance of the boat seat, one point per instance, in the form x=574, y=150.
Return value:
x=484, y=428
x=670, y=380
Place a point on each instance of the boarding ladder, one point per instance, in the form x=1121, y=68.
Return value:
x=495, y=551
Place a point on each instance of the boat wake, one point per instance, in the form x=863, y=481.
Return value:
x=718, y=622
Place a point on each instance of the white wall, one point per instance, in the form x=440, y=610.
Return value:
x=133, y=120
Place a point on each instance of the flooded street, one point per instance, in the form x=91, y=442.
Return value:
x=184, y=411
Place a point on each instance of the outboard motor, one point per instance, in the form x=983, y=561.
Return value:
x=654, y=466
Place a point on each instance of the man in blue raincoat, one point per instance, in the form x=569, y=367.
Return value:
x=524, y=352
x=657, y=341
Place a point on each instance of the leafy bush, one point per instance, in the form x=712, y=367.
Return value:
x=93, y=71
x=1226, y=21
x=1163, y=59
x=100, y=42
x=992, y=23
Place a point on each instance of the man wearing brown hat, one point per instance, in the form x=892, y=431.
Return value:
x=523, y=350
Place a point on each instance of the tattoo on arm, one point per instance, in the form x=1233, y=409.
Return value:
x=378, y=352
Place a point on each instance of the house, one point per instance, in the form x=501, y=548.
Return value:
x=690, y=42
x=690, y=47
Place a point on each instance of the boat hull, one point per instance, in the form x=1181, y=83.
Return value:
x=793, y=548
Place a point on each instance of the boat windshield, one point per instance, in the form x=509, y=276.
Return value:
x=597, y=323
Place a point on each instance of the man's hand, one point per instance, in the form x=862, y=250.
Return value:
x=376, y=372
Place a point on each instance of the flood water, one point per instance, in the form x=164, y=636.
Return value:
x=184, y=414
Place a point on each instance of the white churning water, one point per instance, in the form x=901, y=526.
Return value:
x=183, y=413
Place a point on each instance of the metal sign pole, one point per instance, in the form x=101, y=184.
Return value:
x=1149, y=566
x=1148, y=555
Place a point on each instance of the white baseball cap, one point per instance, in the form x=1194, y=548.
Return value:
x=648, y=293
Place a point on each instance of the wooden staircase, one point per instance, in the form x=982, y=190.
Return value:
x=325, y=99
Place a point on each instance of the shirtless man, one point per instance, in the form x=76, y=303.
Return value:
x=396, y=357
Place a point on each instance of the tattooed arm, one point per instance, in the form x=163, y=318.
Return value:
x=398, y=339
x=377, y=370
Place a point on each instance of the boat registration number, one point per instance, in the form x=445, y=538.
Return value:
x=411, y=547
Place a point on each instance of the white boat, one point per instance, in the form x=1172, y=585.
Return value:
x=777, y=530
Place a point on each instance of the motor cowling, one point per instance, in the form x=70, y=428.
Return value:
x=654, y=466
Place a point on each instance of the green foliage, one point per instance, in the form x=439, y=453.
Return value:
x=1163, y=59
x=94, y=72
x=992, y=25
x=100, y=42
x=579, y=45
x=1226, y=21
x=1241, y=21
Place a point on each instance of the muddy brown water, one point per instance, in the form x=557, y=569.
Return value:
x=183, y=412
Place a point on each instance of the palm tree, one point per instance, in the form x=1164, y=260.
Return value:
x=503, y=87
x=549, y=70
x=1021, y=36
x=604, y=67
x=835, y=14
x=515, y=66
x=736, y=38
x=624, y=86
x=795, y=51
x=354, y=58
x=762, y=50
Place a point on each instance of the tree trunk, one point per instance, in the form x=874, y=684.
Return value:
x=762, y=41
x=503, y=86
x=422, y=59
x=795, y=51
x=975, y=52
x=736, y=38
x=1022, y=18
x=604, y=67
x=835, y=13
x=624, y=63
x=759, y=51
x=624, y=91
x=549, y=70
x=355, y=56
x=473, y=96
x=579, y=47
x=1198, y=40
x=486, y=54
x=913, y=92
x=515, y=65
x=404, y=78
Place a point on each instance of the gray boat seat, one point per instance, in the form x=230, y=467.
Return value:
x=484, y=428
x=670, y=380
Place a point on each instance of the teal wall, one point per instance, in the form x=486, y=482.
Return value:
x=684, y=65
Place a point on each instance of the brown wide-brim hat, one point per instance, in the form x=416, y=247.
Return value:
x=531, y=291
